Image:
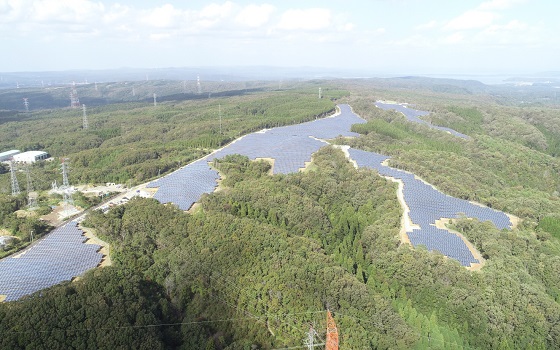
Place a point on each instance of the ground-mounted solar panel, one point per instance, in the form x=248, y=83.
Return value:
x=427, y=205
x=59, y=257
x=413, y=116
x=292, y=146
x=62, y=255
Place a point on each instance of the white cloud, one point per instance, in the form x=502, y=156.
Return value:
x=429, y=25
x=66, y=10
x=305, y=19
x=165, y=16
x=118, y=22
x=255, y=16
x=116, y=12
x=159, y=36
x=473, y=19
x=215, y=11
x=498, y=4
x=454, y=38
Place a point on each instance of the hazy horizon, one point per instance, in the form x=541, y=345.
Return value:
x=386, y=36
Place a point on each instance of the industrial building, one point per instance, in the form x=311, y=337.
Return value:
x=5, y=156
x=30, y=156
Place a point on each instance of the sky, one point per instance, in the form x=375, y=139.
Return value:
x=380, y=36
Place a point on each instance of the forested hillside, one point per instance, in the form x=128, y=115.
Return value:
x=136, y=141
x=261, y=260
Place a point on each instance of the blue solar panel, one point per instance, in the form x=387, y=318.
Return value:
x=292, y=146
x=58, y=257
x=61, y=255
x=427, y=205
x=413, y=116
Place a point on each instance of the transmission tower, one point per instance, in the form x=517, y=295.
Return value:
x=309, y=340
x=15, y=185
x=198, y=87
x=74, y=100
x=320, y=94
x=65, y=182
x=155, y=101
x=133, y=91
x=332, y=333
x=85, y=121
x=26, y=104
x=67, y=196
x=31, y=198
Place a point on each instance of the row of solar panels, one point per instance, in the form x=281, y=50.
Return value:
x=292, y=146
x=58, y=257
x=412, y=115
x=62, y=255
x=427, y=205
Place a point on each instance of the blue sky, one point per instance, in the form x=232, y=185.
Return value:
x=381, y=36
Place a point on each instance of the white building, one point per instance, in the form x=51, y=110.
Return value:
x=30, y=156
x=5, y=156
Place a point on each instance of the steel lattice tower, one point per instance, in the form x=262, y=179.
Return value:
x=74, y=100
x=66, y=184
x=332, y=333
x=26, y=104
x=15, y=185
x=65, y=174
x=85, y=121
x=31, y=200
x=309, y=340
x=155, y=100
x=198, y=87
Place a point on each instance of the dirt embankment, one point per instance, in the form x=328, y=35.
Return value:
x=93, y=239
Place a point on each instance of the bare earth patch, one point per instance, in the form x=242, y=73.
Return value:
x=93, y=239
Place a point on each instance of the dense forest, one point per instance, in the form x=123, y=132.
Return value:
x=261, y=260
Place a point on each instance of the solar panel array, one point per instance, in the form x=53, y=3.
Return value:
x=290, y=146
x=58, y=257
x=62, y=254
x=413, y=116
x=185, y=186
x=427, y=205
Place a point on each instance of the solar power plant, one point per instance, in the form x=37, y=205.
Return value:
x=427, y=205
x=290, y=146
x=413, y=116
x=58, y=257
